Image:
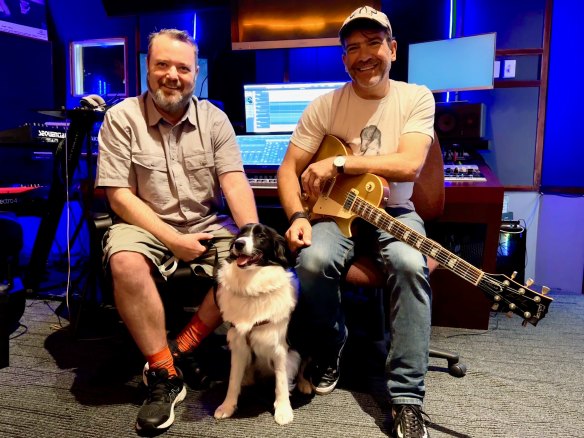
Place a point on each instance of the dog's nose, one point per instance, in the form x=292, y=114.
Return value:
x=239, y=244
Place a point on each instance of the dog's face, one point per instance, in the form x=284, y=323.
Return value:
x=258, y=245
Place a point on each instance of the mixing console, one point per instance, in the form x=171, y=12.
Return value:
x=463, y=172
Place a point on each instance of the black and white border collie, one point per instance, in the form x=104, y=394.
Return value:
x=257, y=294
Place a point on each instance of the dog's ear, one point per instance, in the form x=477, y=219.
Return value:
x=281, y=251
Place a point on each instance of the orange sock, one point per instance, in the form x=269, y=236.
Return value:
x=162, y=359
x=192, y=335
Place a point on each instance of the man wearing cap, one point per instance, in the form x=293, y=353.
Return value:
x=389, y=126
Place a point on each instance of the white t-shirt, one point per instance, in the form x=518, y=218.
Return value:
x=369, y=127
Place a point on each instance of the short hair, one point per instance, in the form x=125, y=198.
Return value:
x=175, y=34
x=363, y=25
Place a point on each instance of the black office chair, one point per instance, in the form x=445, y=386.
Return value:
x=366, y=277
x=181, y=292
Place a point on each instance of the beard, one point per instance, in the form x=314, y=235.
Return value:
x=371, y=81
x=172, y=103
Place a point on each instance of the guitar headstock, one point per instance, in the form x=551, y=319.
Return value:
x=510, y=296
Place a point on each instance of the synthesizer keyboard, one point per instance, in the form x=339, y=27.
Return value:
x=262, y=181
x=463, y=172
x=452, y=172
x=26, y=200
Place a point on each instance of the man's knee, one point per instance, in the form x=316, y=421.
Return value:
x=128, y=265
x=408, y=263
x=312, y=261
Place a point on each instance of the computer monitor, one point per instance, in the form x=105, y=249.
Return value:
x=201, y=86
x=277, y=107
x=262, y=151
x=456, y=64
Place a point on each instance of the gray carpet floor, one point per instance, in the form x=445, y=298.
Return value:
x=521, y=382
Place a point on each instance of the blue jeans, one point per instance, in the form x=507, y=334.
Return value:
x=318, y=323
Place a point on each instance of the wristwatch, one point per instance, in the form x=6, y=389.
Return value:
x=339, y=163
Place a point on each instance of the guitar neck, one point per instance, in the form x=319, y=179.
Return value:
x=381, y=219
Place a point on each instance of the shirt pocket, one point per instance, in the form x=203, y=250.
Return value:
x=200, y=169
x=152, y=177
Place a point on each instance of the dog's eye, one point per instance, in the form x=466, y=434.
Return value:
x=261, y=236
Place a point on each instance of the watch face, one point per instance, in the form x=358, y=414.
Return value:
x=339, y=161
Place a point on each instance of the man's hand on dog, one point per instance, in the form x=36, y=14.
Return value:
x=187, y=247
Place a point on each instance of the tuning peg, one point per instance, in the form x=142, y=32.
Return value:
x=544, y=290
x=513, y=275
x=495, y=307
x=529, y=282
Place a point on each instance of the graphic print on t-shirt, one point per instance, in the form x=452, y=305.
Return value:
x=370, y=140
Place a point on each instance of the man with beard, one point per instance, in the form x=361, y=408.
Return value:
x=402, y=116
x=164, y=159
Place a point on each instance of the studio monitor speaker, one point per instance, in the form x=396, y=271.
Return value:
x=460, y=120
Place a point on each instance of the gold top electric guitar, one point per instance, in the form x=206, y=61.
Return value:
x=345, y=198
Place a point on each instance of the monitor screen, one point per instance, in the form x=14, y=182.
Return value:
x=201, y=86
x=277, y=107
x=456, y=64
x=263, y=150
x=24, y=18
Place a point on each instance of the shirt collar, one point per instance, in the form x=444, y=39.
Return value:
x=154, y=117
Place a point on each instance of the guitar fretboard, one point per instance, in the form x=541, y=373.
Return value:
x=381, y=219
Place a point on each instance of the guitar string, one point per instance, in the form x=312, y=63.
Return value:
x=466, y=270
x=444, y=257
x=427, y=244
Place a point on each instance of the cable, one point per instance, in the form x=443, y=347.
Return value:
x=67, y=222
x=201, y=87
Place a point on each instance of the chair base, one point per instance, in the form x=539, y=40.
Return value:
x=455, y=367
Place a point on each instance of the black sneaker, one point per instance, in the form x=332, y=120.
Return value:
x=164, y=393
x=193, y=368
x=325, y=374
x=194, y=376
x=408, y=422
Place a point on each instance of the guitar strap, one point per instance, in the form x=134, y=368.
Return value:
x=333, y=126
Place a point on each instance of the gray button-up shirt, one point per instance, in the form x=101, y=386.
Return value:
x=171, y=170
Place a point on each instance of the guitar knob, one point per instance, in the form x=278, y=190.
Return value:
x=529, y=282
x=545, y=290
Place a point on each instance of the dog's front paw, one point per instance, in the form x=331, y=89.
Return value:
x=226, y=410
x=283, y=414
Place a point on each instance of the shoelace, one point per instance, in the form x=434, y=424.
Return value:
x=410, y=419
x=161, y=389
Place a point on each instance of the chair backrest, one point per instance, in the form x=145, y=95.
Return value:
x=428, y=195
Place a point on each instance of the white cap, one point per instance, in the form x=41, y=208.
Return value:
x=367, y=13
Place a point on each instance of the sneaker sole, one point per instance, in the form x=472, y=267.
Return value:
x=179, y=398
x=327, y=390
